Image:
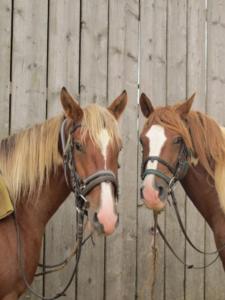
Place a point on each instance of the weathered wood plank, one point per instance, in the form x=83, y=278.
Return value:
x=5, y=46
x=29, y=63
x=122, y=74
x=93, y=88
x=29, y=70
x=150, y=282
x=195, y=83
x=176, y=90
x=214, y=276
x=63, y=70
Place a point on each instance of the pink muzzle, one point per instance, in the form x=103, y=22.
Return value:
x=108, y=220
x=107, y=215
x=151, y=196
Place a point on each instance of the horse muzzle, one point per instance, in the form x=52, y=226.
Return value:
x=154, y=196
x=104, y=224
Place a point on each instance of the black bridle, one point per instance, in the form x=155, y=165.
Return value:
x=80, y=188
x=178, y=173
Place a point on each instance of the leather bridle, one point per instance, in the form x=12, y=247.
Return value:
x=178, y=173
x=80, y=188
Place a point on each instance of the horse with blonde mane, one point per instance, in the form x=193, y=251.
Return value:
x=31, y=164
x=189, y=146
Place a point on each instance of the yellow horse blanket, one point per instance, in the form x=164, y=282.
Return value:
x=6, y=207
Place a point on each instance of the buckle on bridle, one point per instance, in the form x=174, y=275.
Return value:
x=172, y=182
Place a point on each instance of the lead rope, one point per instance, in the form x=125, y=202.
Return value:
x=189, y=266
x=185, y=233
x=155, y=255
x=21, y=259
x=60, y=266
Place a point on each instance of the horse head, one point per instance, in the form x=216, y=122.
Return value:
x=166, y=147
x=96, y=144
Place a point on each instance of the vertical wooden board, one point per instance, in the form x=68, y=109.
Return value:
x=93, y=84
x=214, y=276
x=123, y=74
x=63, y=56
x=29, y=63
x=195, y=83
x=153, y=17
x=5, y=46
x=176, y=90
x=94, y=33
x=63, y=70
x=215, y=60
x=29, y=71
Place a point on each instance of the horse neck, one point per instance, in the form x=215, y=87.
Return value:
x=203, y=194
x=39, y=210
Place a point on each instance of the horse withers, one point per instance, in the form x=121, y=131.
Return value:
x=186, y=146
x=39, y=178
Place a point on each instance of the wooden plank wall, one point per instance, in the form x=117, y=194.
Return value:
x=172, y=48
x=187, y=37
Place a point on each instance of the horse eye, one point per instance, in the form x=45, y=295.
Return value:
x=178, y=140
x=79, y=146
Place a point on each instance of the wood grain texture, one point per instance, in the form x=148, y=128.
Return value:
x=29, y=71
x=177, y=57
x=196, y=74
x=176, y=90
x=63, y=70
x=150, y=282
x=122, y=74
x=29, y=63
x=93, y=88
x=214, y=276
x=5, y=46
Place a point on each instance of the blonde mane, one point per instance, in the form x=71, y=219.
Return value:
x=203, y=136
x=97, y=118
x=29, y=158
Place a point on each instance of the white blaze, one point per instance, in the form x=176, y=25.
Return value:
x=107, y=201
x=104, y=141
x=157, y=138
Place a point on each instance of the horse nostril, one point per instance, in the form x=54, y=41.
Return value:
x=95, y=218
x=141, y=192
x=161, y=191
x=98, y=227
x=118, y=220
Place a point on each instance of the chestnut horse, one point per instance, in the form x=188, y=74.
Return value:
x=31, y=163
x=189, y=146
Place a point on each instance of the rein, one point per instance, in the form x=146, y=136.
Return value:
x=80, y=188
x=178, y=174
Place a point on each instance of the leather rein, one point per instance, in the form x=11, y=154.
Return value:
x=178, y=174
x=80, y=188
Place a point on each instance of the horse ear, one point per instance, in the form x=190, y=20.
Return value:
x=146, y=105
x=184, y=108
x=71, y=107
x=118, y=105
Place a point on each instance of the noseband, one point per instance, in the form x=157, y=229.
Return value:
x=81, y=186
x=178, y=172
